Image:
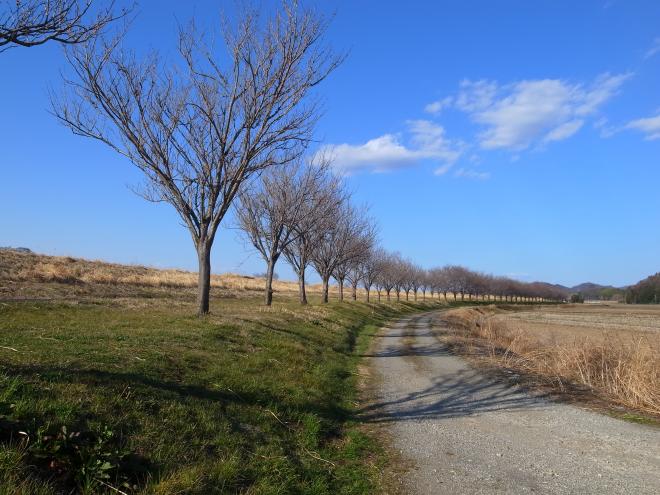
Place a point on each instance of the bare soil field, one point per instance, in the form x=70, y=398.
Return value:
x=598, y=322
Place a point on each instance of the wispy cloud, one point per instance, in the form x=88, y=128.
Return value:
x=435, y=107
x=532, y=112
x=425, y=141
x=654, y=50
x=471, y=174
x=649, y=126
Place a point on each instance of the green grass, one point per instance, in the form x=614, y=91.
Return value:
x=142, y=396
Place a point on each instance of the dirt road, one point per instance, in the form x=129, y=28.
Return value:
x=467, y=433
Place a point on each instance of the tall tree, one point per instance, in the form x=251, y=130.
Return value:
x=200, y=132
x=29, y=23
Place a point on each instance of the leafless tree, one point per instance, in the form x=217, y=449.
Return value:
x=388, y=273
x=317, y=217
x=417, y=280
x=354, y=275
x=370, y=272
x=355, y=254
x=351, y=234
x=29, y=23
x=272, y=212
x=200, y=132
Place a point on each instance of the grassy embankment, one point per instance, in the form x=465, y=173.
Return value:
x=109, y=386
x=609, y=358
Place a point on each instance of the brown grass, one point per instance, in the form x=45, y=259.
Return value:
x=19, y=270
x=621, y=367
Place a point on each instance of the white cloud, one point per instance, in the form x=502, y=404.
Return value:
x=471, y=174
x=476, y=95
x=606, y=130
x=655, y=48
x=564, y=131
x=427, y=141
x=443, y=169
x=649, y=126
x=529, y=112
x=435, y=107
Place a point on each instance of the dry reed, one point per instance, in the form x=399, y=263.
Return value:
x=622, y=370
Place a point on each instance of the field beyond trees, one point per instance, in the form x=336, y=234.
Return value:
x=109, y=381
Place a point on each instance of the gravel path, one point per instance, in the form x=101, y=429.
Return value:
x=468, y=433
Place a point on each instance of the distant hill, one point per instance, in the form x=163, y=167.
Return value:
x=589, y=290
x=595, y=291
x=646, y=291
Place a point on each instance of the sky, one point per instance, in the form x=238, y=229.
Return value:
x=519, y=138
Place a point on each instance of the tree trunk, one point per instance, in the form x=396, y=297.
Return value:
x=354, y=294
x=367, y=294
x=301, y=287
x=388, y=296
x=341, y=289
x=268, y=299
x=204, y=278
x=324, y=296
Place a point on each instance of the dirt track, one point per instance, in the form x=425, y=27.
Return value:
x=465, y=432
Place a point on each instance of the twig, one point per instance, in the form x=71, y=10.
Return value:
x=8, y=348
x=111, y=487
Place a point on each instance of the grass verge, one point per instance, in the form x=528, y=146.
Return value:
x=111, y=395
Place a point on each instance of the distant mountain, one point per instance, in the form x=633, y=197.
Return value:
x=16, y=249
x=589, y=290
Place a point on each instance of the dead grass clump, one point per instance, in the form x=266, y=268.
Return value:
x=622, y=370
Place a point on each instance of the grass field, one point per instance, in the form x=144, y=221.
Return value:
x=112, y=387
x=606, y=352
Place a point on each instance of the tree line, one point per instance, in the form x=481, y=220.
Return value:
x=302, y=212
x=226, y=126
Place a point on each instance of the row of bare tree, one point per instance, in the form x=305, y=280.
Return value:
x=303, y=213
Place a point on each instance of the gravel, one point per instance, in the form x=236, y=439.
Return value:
x=466, y=432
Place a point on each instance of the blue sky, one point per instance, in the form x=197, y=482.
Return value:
x=514, y=137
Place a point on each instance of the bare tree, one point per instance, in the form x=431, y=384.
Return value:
x=346, y=240
x=316, y=218
x=29, y=23
x=356, y=251
x=354, y=275
x=370, y=272
x=388, y=275
x=270, y=213
x=199, y=133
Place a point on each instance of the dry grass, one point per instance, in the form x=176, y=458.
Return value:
x=19, y=270
x=622, y=367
